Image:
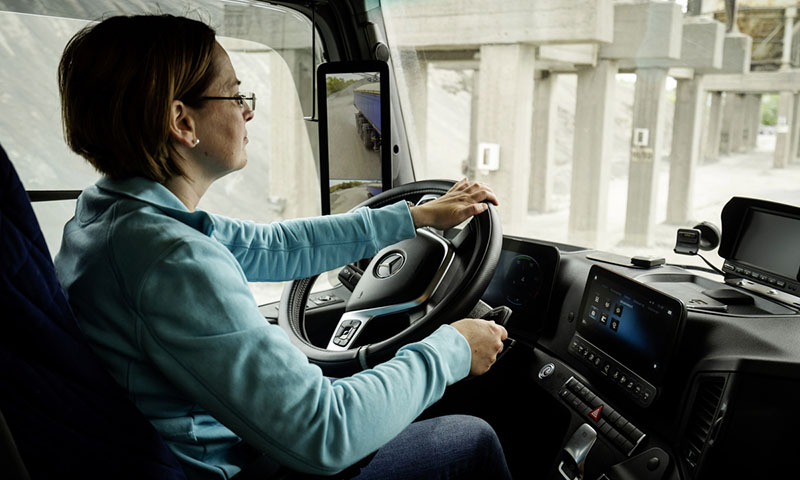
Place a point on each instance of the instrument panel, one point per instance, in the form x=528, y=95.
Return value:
x=523, y=282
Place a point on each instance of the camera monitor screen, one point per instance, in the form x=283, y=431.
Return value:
x=759, y=242
x=355, y=161
x=770, y=241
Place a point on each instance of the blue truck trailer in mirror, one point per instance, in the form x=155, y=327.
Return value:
x=367, y=100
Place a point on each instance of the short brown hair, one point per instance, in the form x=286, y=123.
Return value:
x=117, y=80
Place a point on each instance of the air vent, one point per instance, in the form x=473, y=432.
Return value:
x=701, y=418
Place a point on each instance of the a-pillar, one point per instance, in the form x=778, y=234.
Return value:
x=687, y=123
x=415, y=76
x=505, y=115
x=545, y=113
x=714, y=128
x=594, y=124
x=783, y=140
x=649, y=105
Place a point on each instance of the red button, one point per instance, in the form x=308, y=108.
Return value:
x=595, y=414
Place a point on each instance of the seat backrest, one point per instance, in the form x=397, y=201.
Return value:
x=68, y=417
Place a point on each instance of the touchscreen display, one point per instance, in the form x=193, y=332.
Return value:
x=631, y=322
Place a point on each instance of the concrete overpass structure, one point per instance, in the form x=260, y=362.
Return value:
x=595, y=40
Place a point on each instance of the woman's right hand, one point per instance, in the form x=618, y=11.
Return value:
x=462, y=201
x=485, y=340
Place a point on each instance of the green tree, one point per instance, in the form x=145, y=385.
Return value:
x=769, y=109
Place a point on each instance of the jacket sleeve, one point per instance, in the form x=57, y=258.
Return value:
x=300, y=248
x=215, y=347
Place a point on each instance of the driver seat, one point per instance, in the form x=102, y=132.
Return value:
x=65, y=417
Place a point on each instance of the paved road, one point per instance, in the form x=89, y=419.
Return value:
x=349, y=158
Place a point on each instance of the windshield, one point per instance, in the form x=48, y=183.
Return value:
x=596, y=124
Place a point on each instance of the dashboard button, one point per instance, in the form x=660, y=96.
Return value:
x=620, y=423
x=575, y=386
x=613, y=417
x=628, y=430
x=619, y=441
x=546, y=371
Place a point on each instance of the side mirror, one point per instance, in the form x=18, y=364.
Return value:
x=354, y=133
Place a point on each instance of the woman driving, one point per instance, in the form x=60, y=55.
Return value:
x=161, y=288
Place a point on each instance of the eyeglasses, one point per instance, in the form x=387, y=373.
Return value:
x=241, y=98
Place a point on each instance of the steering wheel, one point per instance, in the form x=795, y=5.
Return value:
x=426, y=281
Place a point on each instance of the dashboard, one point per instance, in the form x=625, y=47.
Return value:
x=675, y=374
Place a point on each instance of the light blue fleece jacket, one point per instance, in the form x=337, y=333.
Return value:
x=162, y=295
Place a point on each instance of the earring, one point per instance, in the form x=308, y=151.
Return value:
x=196, y=141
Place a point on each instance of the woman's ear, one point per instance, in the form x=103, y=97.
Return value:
x=181, y=125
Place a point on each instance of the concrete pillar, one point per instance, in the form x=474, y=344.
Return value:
x=788, y=25
x=747, y=123
x=783, y=140
x=755, y=119
x=752, y=120
x=685, y=149
x=714, y=128
x=646, y=151
x=736, y=130
x=594, y=123
x=795, y=152
x=504, y=118
x=728, y=102
x=545, y=113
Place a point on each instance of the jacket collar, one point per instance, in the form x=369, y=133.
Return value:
x=157, y=195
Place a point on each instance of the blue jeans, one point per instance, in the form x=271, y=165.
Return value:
x=449, y=447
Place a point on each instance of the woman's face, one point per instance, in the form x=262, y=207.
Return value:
x=220, y=124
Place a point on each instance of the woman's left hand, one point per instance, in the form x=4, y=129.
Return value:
x=461, y=202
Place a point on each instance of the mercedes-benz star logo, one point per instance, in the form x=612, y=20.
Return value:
x=389, y=265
